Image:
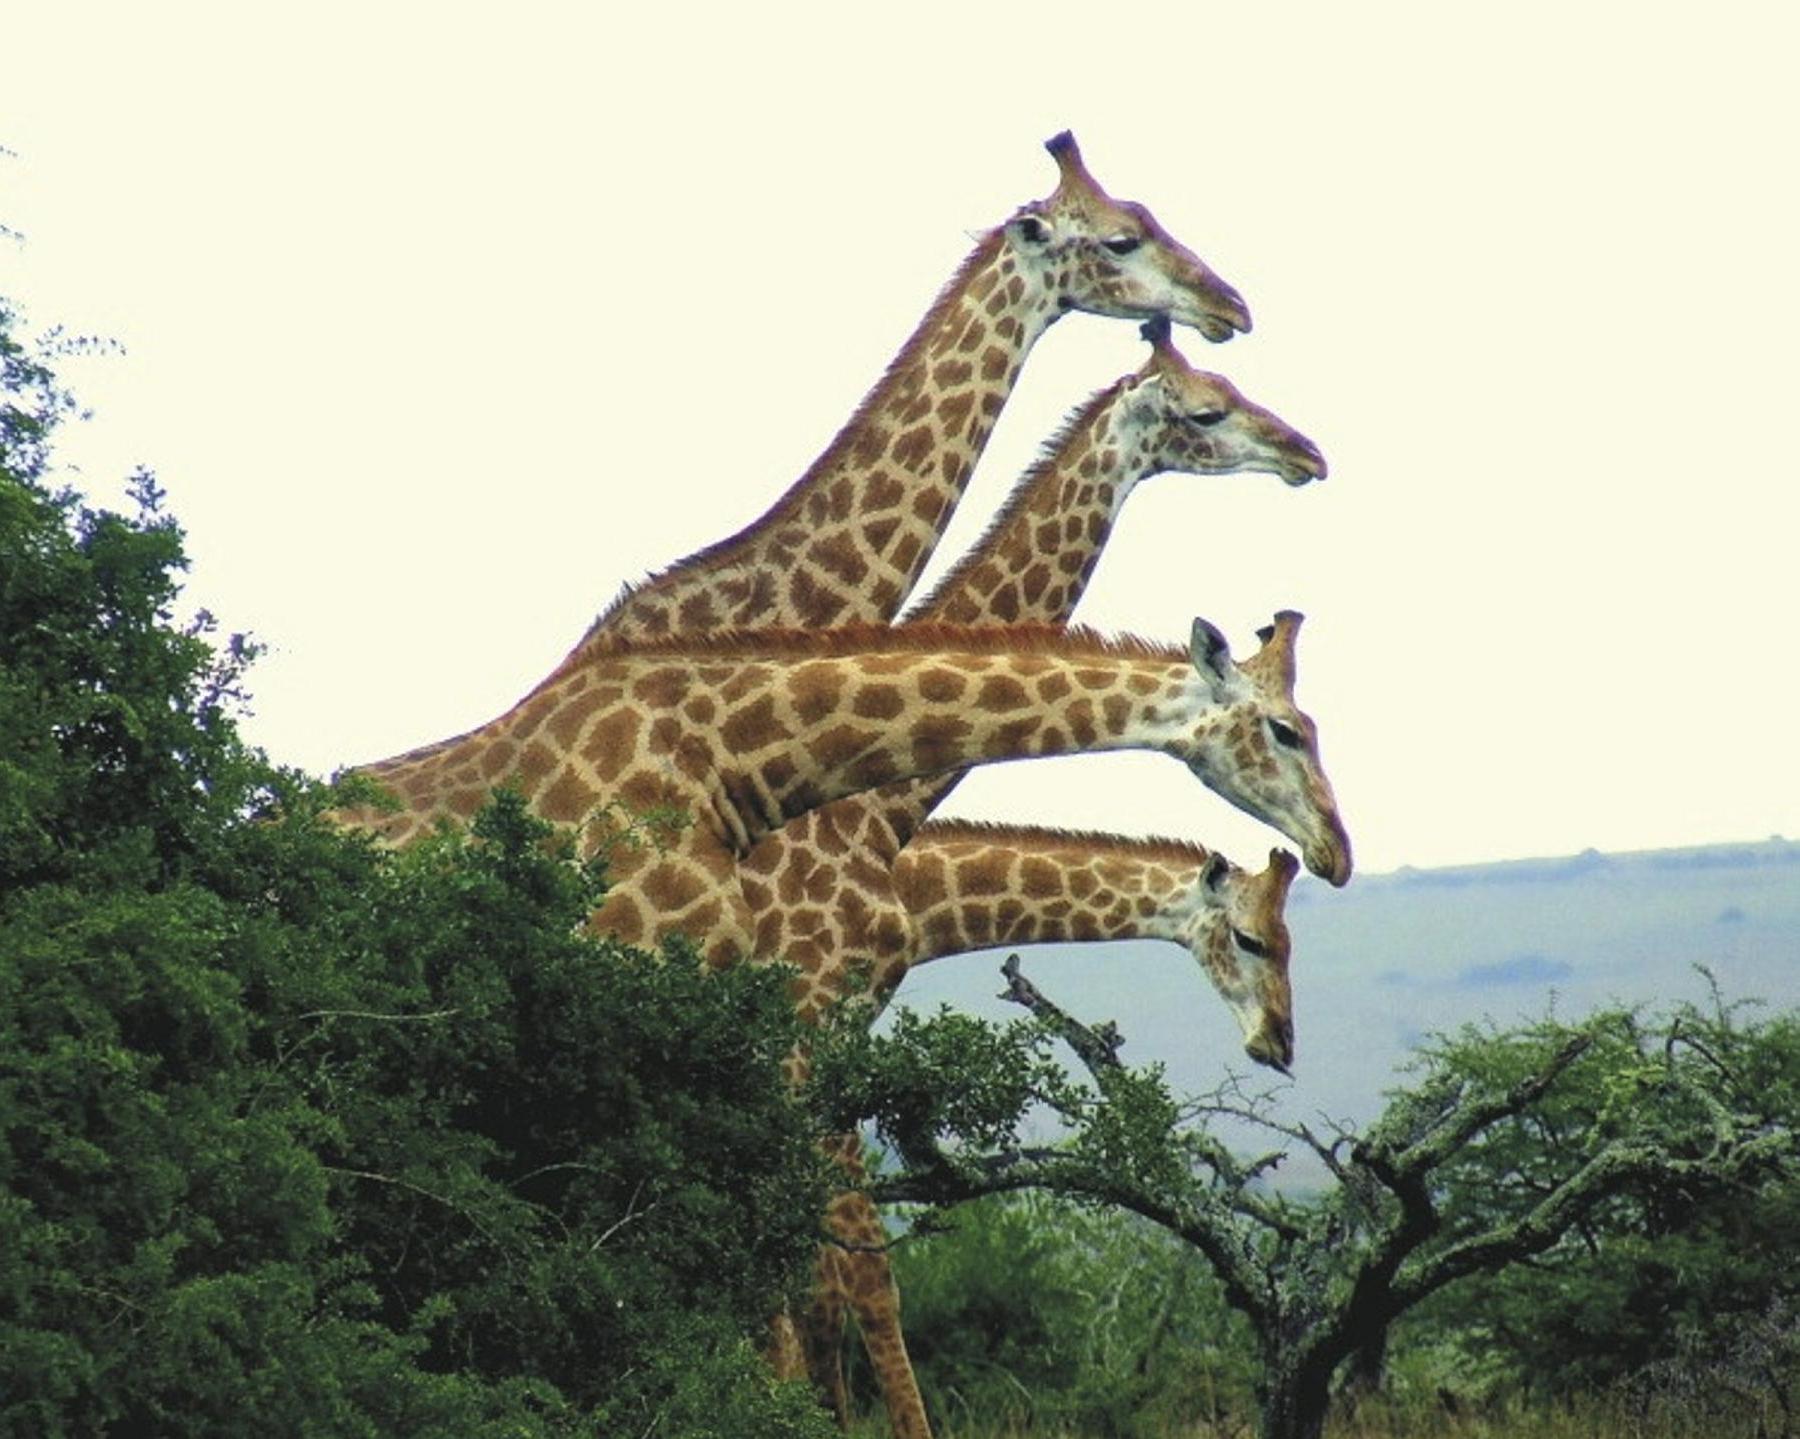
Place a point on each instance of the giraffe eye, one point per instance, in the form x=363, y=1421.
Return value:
x=1208, y=417
x=1123, y=244
x=1249, y=945
x=1285, y=734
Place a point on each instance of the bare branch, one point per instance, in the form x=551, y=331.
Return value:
x=419, y=1189
x=632, y=1213
x=1098, y=1049
x=422, y=1018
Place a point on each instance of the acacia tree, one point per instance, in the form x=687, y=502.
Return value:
x=1320, y=1280
x=1657, y=1278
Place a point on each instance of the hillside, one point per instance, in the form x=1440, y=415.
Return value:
x=1397, y=956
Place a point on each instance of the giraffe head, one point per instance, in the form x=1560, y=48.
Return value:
x=1262, y=754
x=1178, y=418
x=1110, y=257
x=1238, y=934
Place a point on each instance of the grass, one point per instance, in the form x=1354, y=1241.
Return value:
x=1608, y=1417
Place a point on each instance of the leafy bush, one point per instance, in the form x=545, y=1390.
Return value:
x=302, y=1137
x=1030, y=1311
x=1659, y=1275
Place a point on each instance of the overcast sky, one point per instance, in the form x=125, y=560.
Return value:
x=438, y=330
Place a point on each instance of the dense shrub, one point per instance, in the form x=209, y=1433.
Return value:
x=1031, y=1311
x=301, y=1137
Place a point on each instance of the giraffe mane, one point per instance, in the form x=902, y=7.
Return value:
x=910, y=353
x=921, y=637
x=1050, y=453
x=1082, y=841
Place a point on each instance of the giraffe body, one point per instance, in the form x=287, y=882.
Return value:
x=849, y=540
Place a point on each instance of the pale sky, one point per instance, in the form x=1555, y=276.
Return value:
x=439, y=329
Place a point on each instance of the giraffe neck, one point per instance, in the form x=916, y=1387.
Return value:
x=848, y=541
x=796, y=732
x=971, y=886
x=745, y=731
x=1035, y=561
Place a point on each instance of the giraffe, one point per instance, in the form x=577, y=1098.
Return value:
x=745, y=730
x=1031, y=565
x=967, y=886
x=849, y=539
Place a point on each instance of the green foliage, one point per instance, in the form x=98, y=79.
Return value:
x=302, y=1137
x=1038, y=1314
x=1660, y=1272
x=932, y=1078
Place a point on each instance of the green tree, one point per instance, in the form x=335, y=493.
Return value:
x=1316, y=1278
x=302, y=1137
x=1655, y=1273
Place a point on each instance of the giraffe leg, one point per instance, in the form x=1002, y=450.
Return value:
x=866, y=1279
x=822, y=1334
x=783, y=1352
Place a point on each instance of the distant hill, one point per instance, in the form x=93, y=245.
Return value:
x=1396, y=956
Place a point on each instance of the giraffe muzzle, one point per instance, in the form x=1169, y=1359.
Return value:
x=1305, y=461
x=1272, y=1052
x=1330, y=857
x=1231, y=308
x=1234, y=319
x=1211, y=306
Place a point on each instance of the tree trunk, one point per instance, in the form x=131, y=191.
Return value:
x=1367, y=1367
x=1295, y=1398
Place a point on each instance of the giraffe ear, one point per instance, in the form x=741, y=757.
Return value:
x=1211, y=651
x=1216, y=869
x=1030, y=229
